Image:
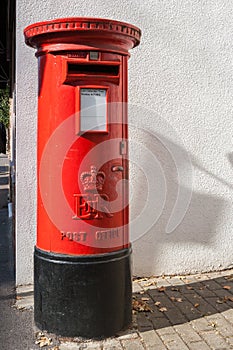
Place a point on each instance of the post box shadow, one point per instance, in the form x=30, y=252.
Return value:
x=179, y=304
x=230, y=158
x=194, y=220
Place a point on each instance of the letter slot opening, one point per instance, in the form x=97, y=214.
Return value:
x=93, y=69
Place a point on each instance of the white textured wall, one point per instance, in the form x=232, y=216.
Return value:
x=181, y=77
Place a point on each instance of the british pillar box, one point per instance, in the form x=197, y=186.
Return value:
x=82, y=256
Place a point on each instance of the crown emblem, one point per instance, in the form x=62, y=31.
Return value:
x=93, y=180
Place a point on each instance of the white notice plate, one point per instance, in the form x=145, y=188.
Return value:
x=93, y=110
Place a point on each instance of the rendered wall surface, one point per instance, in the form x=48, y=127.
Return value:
x=180, y=116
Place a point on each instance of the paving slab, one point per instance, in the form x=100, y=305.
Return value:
x=135, y=344
x=214, y=340
x=200, y=345
x=112, y=344
x=152, y=340
x=187, y=333
x=174, y=342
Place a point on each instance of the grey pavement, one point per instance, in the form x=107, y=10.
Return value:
x=169, y=313
x=191, y=312
x=16, y=327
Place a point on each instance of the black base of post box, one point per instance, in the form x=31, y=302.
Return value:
x=87, y=296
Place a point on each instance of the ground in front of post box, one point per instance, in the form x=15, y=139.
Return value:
x=170, y=312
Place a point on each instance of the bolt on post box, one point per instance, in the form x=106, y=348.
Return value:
x=82, y=255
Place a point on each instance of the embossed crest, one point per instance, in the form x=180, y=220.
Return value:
x=93, y=180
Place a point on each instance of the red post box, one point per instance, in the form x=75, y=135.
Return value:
x=82, y=255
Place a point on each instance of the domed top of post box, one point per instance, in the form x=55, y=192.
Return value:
x=80, y=32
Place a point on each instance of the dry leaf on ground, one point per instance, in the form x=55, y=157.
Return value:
x=151, y=283
x=161, y=289
x=224, y=300
x=157, y=303
x=227, y=287
x=196, y=305
x=163, y=309
x=140, y=279
x=220, y=301
x=42, y=340
x=179, y=300
x=213, y=324
x=141, y=306
x=229, y=278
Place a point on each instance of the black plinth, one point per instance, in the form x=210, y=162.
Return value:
x=87, y=296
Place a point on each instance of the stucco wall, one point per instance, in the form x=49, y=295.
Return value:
x=180, y=78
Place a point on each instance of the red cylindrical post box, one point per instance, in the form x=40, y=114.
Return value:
x=82, y=255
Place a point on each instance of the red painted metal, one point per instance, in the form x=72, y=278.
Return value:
x=76, y=186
